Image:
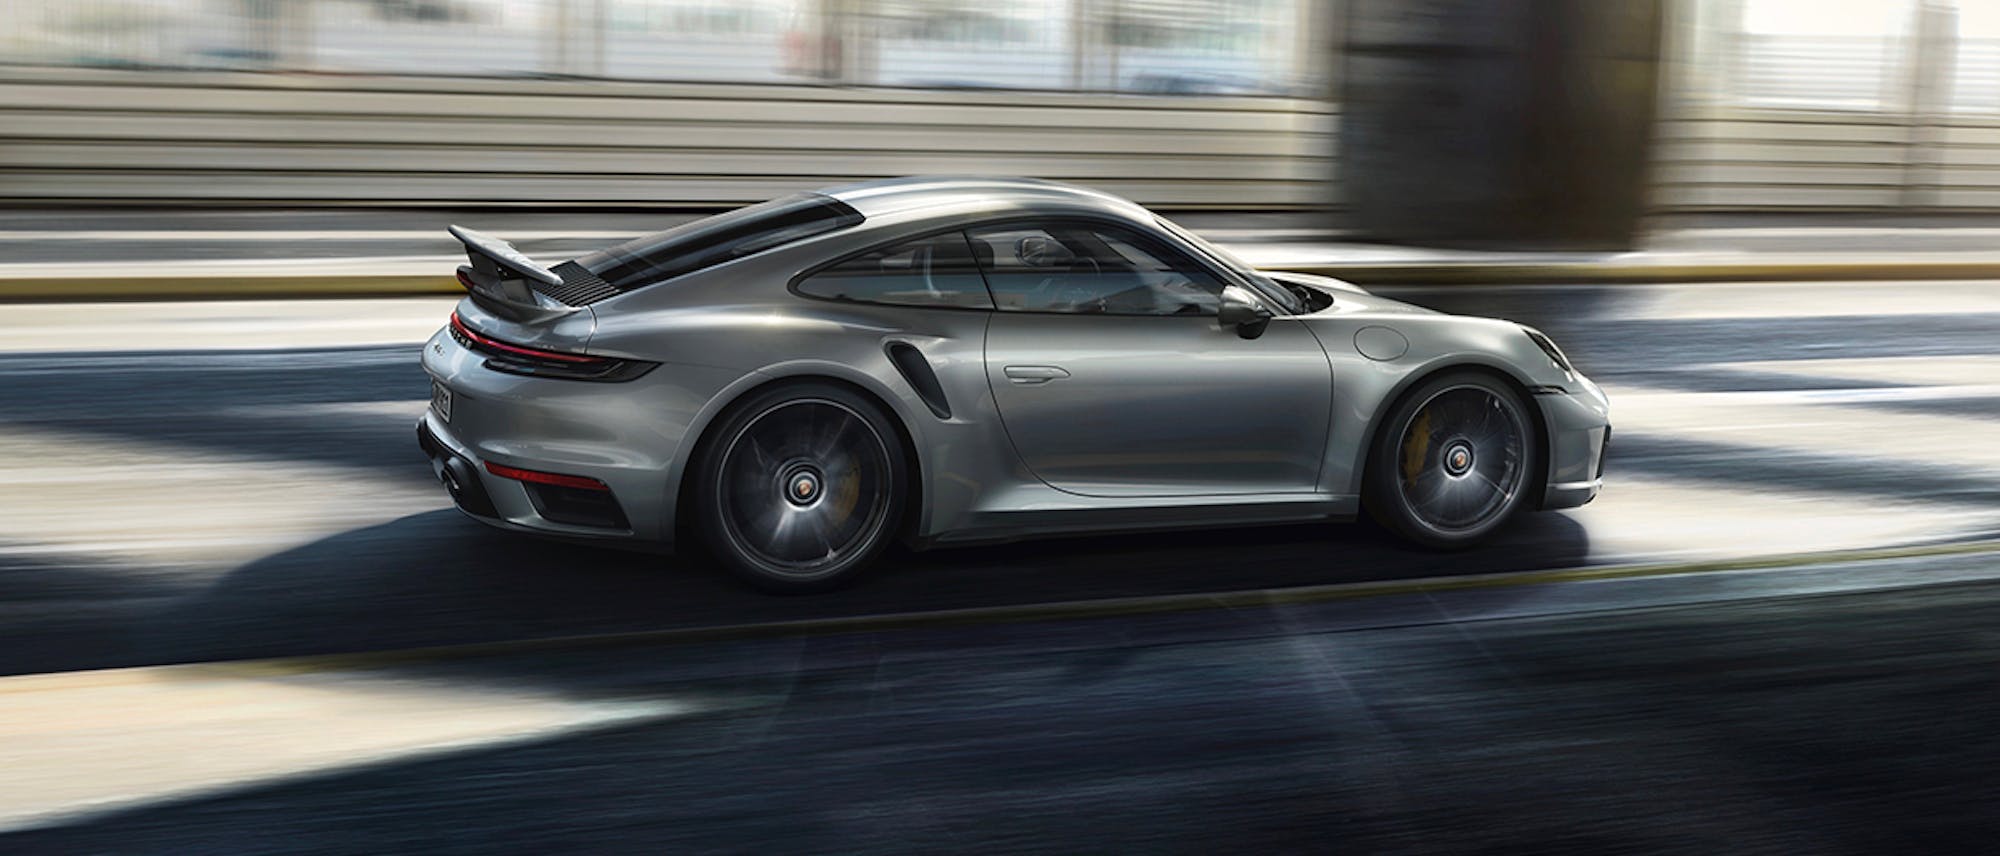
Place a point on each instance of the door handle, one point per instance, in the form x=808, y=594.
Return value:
x=1030, y=375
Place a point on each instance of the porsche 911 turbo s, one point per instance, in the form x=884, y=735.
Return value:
x=798, y=383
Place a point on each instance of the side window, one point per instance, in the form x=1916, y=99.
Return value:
x=933, y=271
x=1091, y=268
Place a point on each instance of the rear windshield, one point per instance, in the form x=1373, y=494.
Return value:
x=713, y=240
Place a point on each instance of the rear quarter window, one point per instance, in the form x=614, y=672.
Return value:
x=938, y=270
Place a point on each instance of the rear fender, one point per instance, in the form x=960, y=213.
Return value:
x=902, y=406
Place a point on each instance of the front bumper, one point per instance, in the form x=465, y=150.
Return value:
x=1579, y=425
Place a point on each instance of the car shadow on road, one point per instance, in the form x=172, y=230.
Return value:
x=437, y=578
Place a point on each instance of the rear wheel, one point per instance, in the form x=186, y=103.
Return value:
x=802, y=487
x=1454, y=462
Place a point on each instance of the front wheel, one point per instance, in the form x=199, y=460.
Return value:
x=802, y=487
x=1454, y=461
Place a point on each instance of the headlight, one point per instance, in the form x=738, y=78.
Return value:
x=1548, y=346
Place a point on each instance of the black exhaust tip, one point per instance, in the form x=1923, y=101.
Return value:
x=457, y=476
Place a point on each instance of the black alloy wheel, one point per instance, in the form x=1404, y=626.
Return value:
x=1455, y=462
x=802, y=487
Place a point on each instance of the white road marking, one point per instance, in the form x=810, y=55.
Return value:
x=221, y=324
x=1644, y=518
x=1958, y=371
x=1781, y=397
x=1818, y=422
x=145, y=505
x=83, y=744
x=1757, y=301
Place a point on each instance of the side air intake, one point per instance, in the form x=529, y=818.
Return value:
x=917, y=370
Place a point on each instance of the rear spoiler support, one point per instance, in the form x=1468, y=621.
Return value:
x=498, y=278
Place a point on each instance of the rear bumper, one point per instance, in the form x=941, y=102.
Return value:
x=628, y=436
x=1579, y=425
x=458, y=474
x=496, y=501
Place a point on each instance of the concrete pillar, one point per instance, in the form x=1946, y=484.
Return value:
x=1525, y=123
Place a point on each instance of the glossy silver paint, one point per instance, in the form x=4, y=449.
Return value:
x=1162, y=406
x=1058, y=422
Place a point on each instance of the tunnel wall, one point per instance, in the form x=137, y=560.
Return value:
x=75, y=136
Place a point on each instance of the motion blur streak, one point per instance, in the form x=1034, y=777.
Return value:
x=161, y=504
x=98, y=743
x=178, y=333
x=1770, y=104
x=239, y=615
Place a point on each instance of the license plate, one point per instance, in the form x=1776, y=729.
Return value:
x=441, y=400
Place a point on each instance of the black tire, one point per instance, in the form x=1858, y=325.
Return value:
x=801, y=487
x=1454, y=461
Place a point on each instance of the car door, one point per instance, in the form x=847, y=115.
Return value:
x=1113, y=377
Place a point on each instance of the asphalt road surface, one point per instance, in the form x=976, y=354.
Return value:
x=224, y=480
x=1855, y=723
x=215, y=481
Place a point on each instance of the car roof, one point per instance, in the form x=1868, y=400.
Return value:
x=974, y=194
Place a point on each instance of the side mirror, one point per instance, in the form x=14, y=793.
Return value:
x=1243, y=312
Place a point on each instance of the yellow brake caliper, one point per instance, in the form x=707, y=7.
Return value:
x=844, y=497
x=1415, y=444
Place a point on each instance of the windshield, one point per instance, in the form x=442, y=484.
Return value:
x=1264, y=284
x=713, y=240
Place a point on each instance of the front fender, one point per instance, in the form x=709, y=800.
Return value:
x=1366, y=388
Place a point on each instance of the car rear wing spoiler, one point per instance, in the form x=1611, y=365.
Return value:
x=501, y=279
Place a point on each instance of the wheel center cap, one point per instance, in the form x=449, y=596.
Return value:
x=802, y=486
x=1458, y=458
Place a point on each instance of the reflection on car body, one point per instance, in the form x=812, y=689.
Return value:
x=944, y=360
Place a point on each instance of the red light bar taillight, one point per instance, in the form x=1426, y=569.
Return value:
x=538, y=477
x=489, y=343
x=540, y=362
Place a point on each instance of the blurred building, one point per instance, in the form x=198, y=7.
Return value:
x=1811, y=104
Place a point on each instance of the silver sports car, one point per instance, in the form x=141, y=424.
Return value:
x=794, y=384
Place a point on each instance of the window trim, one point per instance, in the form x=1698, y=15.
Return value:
x=1280, y=304
x=1095, y=221
x=1159, y=233
x=1153, y=229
